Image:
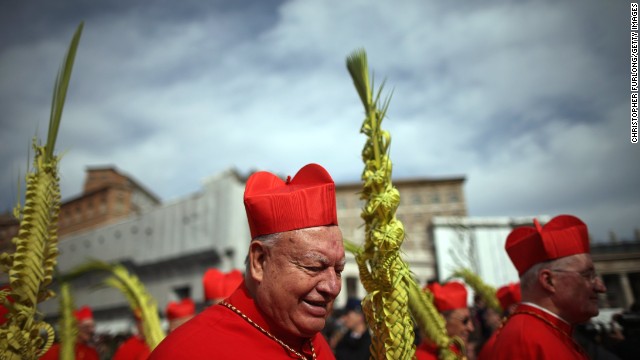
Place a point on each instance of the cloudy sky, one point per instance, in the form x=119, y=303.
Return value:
x=529, y=100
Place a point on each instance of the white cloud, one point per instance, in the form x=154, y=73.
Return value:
x=521, y=97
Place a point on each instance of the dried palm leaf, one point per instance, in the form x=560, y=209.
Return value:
x=133, y=290
x=32, y=264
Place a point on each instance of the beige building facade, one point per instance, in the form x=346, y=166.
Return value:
x=420, y=201
x=619, y=266
x=107, y=197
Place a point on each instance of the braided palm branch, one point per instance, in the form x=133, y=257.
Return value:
x=67, y=324
x=486, y=291
x=393, y=294
x=31, y=266
x=133, y=290
x=382, y=271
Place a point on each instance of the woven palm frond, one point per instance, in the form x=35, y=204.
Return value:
x=31, y=266
x=133, y=290
x=394, y=299
x=486, y=291
x=382, y=270
x=67, y=324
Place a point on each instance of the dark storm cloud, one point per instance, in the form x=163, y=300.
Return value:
x=526, y=99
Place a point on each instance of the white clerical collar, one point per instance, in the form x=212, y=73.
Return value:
x=545, y=310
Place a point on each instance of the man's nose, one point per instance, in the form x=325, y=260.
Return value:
x=331, y=284
x=599, y=285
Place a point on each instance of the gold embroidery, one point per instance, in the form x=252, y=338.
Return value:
x=237, y=311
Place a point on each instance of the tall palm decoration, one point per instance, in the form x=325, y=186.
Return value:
x=486, y=291
x=133, y=290
x=393, y=298
x=31, y=266
x=67, y=324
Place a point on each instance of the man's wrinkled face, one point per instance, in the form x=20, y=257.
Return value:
x=492, y=318
x=578, y=287
x=86, y=329
x=300, y=279
x=459, y=323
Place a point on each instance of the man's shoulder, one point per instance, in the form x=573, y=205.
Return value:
x=528, y=337
x=214, y=321
x=523, y=328
x=221, y=334
x=216, y=333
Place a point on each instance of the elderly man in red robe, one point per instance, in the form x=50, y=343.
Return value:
x=509, y=297
x=218, y=285
x=559, y=287
x=179, y=312
x=451, y=301
x=292, y=277
x=86, y=330
x=135, y=347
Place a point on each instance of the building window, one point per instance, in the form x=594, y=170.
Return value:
x=435, y=198
x=401, y=218
x=453, y=197
x=103, y=205
x=120, y=203
x=342, y=204
x=408, y=243
x=614, y=290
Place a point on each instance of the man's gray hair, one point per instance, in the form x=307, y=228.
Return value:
x=270, y=240
x=267, y=240
x=530, y=277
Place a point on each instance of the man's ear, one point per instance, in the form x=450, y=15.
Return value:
x=547, y=280
x=257, y=258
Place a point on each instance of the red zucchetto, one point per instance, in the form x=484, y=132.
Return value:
x=83, y=314
x=564, y=235
x=307, y=200
x=3, y=310
x=184, y=308
x=450, y=296
x=218, y=285
x=509, y=295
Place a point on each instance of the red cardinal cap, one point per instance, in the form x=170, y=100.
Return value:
x=450, y=296
x=179, y=309
x=3, y=310
x=306, y=200
x=509, y=295
x=83, y=314
x=219, y=285
x=564, y=235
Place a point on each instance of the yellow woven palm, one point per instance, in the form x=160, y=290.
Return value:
x=31, y=266
x=67, y=324
x=133, y=290
x=486, y=291
x=393, y=297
